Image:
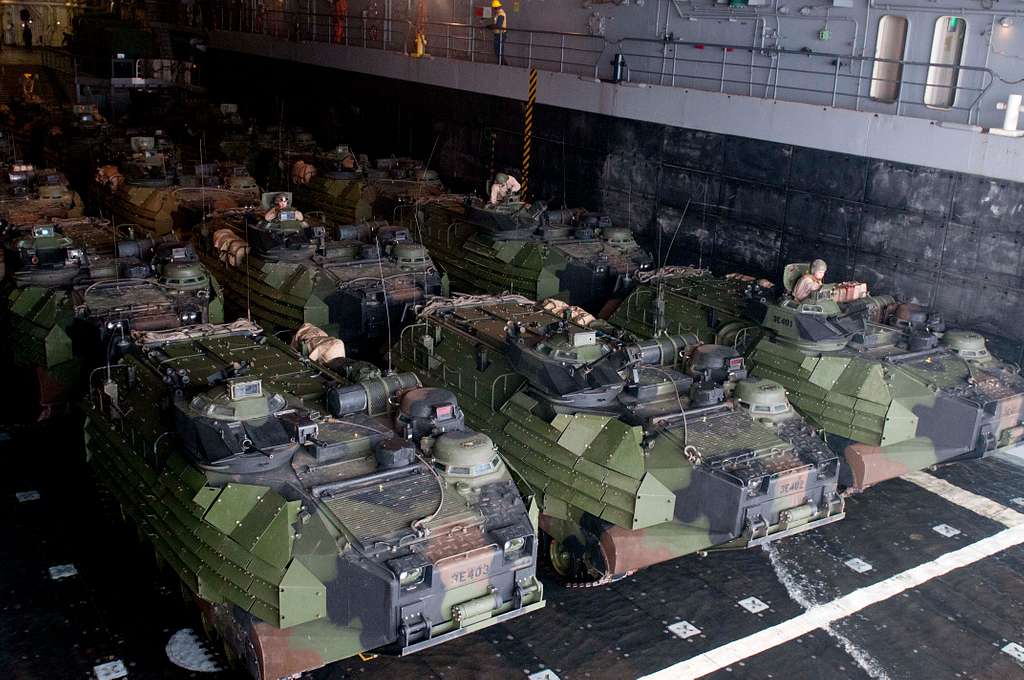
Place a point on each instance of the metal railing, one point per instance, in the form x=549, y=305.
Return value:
x=57, y=60
x=824, y=78
x=151, y=72
x=577, y=53
x=805, y=76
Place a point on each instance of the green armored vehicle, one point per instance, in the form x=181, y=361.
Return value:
x=75, y=288
x=236, y=142
x=522, y=248
x=637, y=453
x=150, y=190
x=339, y=194
x=359, y=283
x=37, y=195
x=347, y=190
x=312, y=518
x=396, y=185
x=891, y=388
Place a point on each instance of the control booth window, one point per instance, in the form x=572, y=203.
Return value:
x=890, y=47
x=944, y=68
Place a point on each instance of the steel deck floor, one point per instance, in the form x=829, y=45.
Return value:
x=951, y=626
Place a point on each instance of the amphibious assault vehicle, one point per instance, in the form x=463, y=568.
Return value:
x=347, y=190
x=151, y=191
x=359, y=282
x=891, y=388
x=637, y=453
x=75, y=288
x=311, y=517
x=33, y=195
x=522, y=248
x=235, y=140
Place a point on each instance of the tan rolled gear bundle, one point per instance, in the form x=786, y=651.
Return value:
x=314, y=342
x=577, y=315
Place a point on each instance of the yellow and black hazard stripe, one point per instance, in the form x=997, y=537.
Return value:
x=531, y=100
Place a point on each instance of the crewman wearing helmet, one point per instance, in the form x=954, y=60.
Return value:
x=503, y=188
x=280, y=204
x=500, y=26
x=811, y=281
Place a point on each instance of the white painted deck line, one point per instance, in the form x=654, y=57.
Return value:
x=986, y=507
x=822, y=615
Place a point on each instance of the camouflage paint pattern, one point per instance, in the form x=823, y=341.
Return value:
x=890, y=409
x=50, y=198
x=301, y=546
x=146, y=190
x=342, y=199
x=530, y=252
x=342, y=287
x=346, y=191
x=62, y=313
x=628, y=481
x=158, y=211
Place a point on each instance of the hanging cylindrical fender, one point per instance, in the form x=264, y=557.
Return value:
x=238, y=250
x=307, y=331
x=221, y=238
x=303, y=172
x=229, y=244
x=317, y=345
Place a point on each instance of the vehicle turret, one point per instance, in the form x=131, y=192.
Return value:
x=470, y=459
x=231, y=428
x=967, y=345
x=45, y=257
x=763, y=399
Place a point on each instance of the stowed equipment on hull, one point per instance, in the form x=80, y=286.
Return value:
x=347, y=190
x=152, y=191
x=305, y=537
x=892, y=389
x=527, y=249
x=75, y=288
x=637, y=453
x=357, y=282
x=34, y=196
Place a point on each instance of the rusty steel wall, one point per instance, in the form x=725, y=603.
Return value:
x=727, y=202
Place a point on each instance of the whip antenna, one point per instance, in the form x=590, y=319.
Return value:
x=384, y=292
x=248, y=274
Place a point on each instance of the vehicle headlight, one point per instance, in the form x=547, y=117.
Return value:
x=513, y=546
x=410, y=577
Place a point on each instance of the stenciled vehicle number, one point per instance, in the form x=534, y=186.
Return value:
x=472, y=568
